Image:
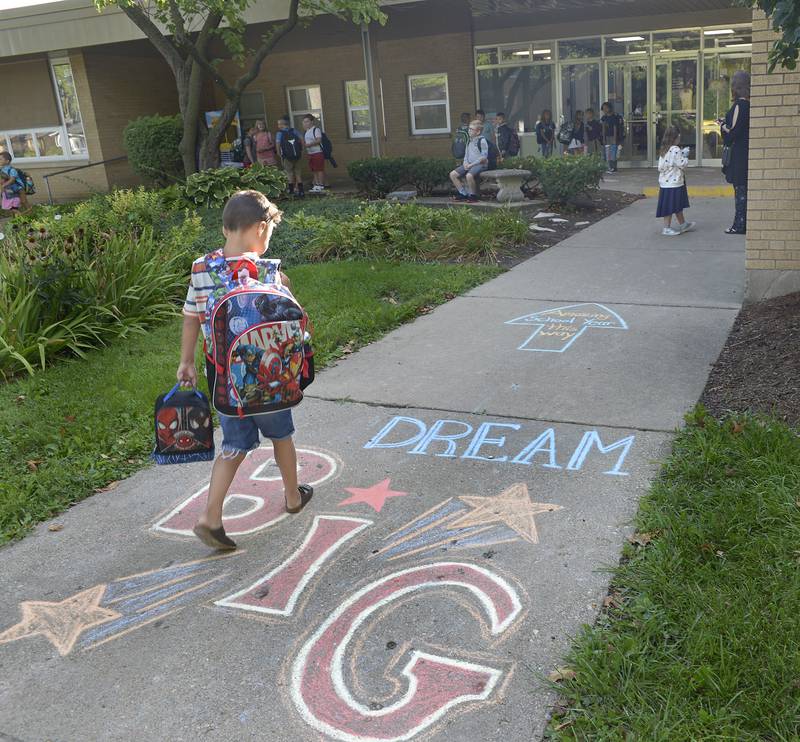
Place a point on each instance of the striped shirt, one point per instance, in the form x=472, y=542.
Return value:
x=202, y=283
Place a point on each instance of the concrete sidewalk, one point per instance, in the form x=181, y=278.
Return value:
x=474, y=472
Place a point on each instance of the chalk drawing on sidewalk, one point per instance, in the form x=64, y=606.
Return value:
x=485, y=443
x=555, y=330
x=111, y=610
x=469, y=521
x=433, y=683
x=277, y=592
x=256, y=490
x=375, y=496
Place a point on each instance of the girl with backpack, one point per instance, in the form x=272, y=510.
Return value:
x=545, y=133
x=264, y=145
x=577, y=141
x=12, y=185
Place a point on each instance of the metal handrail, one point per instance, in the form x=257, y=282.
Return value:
x=72, y=169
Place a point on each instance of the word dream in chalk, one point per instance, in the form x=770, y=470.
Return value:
x=443, y=438
x=469, y=522
x=555, y=330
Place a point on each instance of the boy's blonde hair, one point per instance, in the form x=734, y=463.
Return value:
x=476, y=124
x=246, y=208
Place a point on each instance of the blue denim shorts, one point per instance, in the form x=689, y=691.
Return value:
x=475, y=170
x=240, y=434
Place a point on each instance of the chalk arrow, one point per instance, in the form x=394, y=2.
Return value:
x=555, y=330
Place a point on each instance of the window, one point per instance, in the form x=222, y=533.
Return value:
x=302, y=101
x=62, y=141
x=579, y=48
x=580, y=88
x=251, y=109
x=358, y=121
x=625, y=45
x=522, y=92
x=430, y=106
x=68, y=104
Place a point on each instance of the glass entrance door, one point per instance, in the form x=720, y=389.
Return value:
x=675, y=102
x=627, y=89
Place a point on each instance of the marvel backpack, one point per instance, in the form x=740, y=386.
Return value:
x=183, y=427
x=258, y=356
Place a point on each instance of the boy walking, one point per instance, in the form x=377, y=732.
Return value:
x=290, y=150
x=316, y=157
x=247, y=223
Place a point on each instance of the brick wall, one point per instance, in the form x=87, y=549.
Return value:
x=773, y=216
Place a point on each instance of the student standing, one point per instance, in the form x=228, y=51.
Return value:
x=12, y=185
x=673, y=197
x=507, y=139
x=316, y=157
x=487, y=131
x=264, y=145
x=290, y=150
x=613, y=135
x=594, y=134
x=577, y=143
x=736, y=137
x=545, y=133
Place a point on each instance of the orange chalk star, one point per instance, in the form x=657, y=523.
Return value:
x=374, y=496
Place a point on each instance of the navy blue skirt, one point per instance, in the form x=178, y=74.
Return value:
x=672, y=201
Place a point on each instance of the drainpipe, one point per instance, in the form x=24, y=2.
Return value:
x=374, y=138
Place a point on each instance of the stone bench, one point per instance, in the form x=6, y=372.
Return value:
x=509, y=183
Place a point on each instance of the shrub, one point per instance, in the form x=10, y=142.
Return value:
x=426, y=175
x=412, y=232
x=564, y=178
x=152, y=145
x=377, y=176
x=212, y=188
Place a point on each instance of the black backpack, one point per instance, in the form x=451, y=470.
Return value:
x=494, y=153
x=327, y=147
x=459, y=145
x=291, y=145
x=565, y=132
x=183, y=427
x=513, y=143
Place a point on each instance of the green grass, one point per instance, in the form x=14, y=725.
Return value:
x=705, y=641
x=82, y=424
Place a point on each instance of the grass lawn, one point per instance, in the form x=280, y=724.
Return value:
x=701, y=640
x=83, y=424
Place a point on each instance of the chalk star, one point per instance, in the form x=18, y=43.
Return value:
x=375, y=496
x=63, y=622
x=512, y=506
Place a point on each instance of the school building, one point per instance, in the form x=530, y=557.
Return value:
x=71, y=78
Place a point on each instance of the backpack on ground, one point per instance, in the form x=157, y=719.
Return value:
x=494, y=153
x=565, y=132
x=26, y=182
x=459, y=145
x=327, y=147
x=513, y=143
x=291, y=145
x=183, y=427
x=258, y=357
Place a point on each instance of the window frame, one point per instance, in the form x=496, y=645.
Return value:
x=316, y=112
x=33, y=131
x=438, y=102
x=351, y=108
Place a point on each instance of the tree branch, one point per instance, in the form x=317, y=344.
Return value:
x=267, y=45
x=177, y=21
x=164, y=45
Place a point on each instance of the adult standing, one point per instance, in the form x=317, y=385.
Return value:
x=264, y=145
x=736, y=138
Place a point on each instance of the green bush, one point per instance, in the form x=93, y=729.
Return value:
x=72, y=278
x=411, y=232
x=561, y=179
x=378, y=176
x=212, y=188
x=152, y=145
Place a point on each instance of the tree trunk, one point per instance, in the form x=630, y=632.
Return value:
x=209, y=155
x=190, y=111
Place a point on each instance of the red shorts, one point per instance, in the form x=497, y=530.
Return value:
x=317, y=162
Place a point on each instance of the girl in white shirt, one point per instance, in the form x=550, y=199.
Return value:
x=673, y=197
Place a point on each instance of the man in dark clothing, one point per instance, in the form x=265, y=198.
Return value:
x=613, y=134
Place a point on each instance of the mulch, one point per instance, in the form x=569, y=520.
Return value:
x=758, y=370
x=593, y=208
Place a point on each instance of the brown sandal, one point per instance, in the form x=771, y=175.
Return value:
x=306, y=493
x=216, y=538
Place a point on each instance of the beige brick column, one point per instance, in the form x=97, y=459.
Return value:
x=773, y=209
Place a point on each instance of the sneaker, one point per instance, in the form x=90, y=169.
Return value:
x=670, y=232
x=460, y=197
x=687, y=227
x=317, y=189
x=472, y=198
